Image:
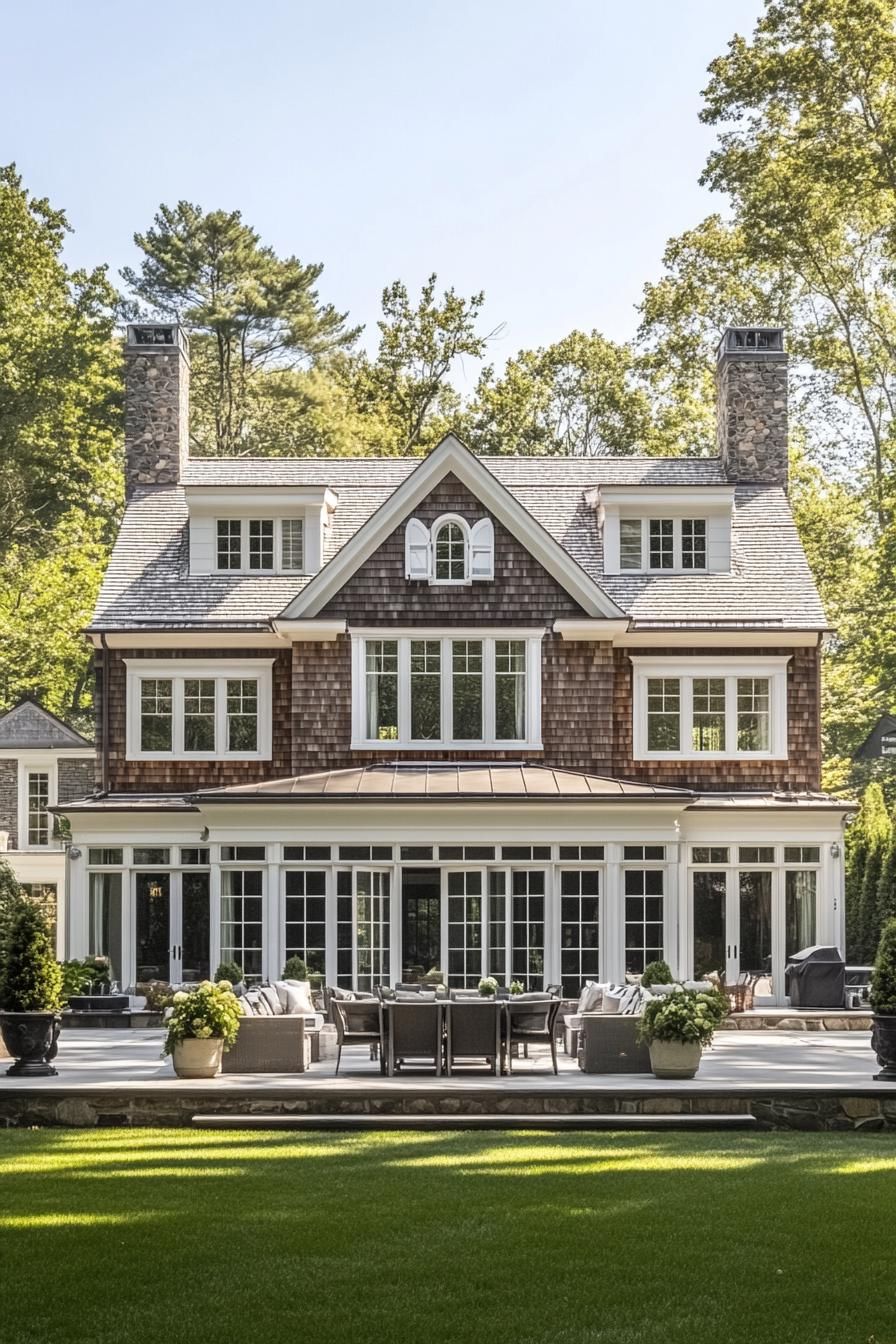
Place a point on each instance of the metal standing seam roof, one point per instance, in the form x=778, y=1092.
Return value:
x=148, y=584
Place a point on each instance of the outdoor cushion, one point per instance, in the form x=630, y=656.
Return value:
x=702, y=985
x=630, y=1000
x=611, y=1001
x=280, y=986
x=271, y=998
x=591, y=996
x=261, y=1005
x=412, y=996
x=253, y=999
x=246, y=1006
x=573, y=1021
x=301, y=992
x=538, y=995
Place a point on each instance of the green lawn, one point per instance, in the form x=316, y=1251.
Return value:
x=170, y=1236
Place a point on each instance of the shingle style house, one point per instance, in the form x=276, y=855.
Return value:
x=542, y=718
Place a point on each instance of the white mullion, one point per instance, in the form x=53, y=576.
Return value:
x=645, y=543
x=446, y=691
x=533, y=691
x=730, y=715
x=676, y=545
x=221, y=744
x=177, y=716
x=488, y=691
x=404, y=690
x=687, y=715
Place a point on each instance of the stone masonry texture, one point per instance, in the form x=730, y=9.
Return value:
x=75, y=778
x=752, y=416
x=156, y=415
x=9, y=800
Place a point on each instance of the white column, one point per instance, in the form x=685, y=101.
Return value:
x=613, y=919
x=214, y=913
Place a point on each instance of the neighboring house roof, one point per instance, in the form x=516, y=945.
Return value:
x=443, y=782
x=30, y=727
x=148, y=585
x=871, y=747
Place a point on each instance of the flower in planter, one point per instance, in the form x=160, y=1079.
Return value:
x=488, y=987
x=516, y=987
x=684, y=1015
x=202, y=1013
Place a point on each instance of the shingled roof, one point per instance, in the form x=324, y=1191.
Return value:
x=148, y=584
x=30, y=727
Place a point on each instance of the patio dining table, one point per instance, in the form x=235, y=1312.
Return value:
x=424, y=1035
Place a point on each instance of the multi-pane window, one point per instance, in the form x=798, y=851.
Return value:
x=693, y=543
x=643, y=918
x=230, y=543
x=663, y=714
x=306, y=918
x=579, y=929
x=510, y=690
x=527, y=927
x=292, y=544
x=450, y=554
x=104, y=920
x=712, y=711
x=630, y=543
x=242, y=714
x=465, y=896
x=661, y=532
x=381, y=689
x=201, y=710
x=242, y=919
x=497, y=926
x=800, y=910
x=466, y=690
x=708, y=718
x=410, y=691
x=156, y=714
x=199, y=715
x=38, y=804
x=753, y=714
x=261, y=543
x=371, y=929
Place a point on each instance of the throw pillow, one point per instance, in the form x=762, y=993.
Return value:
x=630, y=1000
x=611, y=1000
x=271, y=998
x=297, y=1002
x=303, y=989
x=281, y=988
x=245, y=1006
x=592, y=996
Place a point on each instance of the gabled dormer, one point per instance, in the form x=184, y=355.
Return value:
x=665, y=531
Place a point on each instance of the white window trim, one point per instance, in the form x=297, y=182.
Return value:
x=180, y=670
x=244, y=521
x=37, y=765
x=644, y=668
x=444, y=521
x=479, y=550
x=404, y=741
x=677, y=566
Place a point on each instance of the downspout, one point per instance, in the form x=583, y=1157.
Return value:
x=104, y=720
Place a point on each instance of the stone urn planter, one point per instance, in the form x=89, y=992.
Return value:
x=675, y=1059
x=32, y=1040
x=194, y=1058
x=883, y=1043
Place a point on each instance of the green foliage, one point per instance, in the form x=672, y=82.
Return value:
x=685, y=1015
x=80, y=976
x=30, y=978
x=208, y=1011
x=657, y=973
x=250, y=315
x=883, y=980
x=866, y=841
x=11, y=898
x=488, y=986
x=295, y=969
x=516, y=987
x=229, y=970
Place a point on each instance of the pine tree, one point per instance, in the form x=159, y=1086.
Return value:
x=878, y=833
x=886, y=887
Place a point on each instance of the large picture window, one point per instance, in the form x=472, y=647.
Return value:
x=708, y=707
x=202, y=710
x=440, y=690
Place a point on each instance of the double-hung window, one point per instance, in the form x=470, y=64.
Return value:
x=432, y=689
x=39, y=825
x=203, y=709
x=655, y=545
x=260, y=545
x=721, y=708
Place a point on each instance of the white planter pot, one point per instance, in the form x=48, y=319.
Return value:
x=198, y=1059
x=675, y=1059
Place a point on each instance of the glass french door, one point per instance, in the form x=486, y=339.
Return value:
x=363, y=911
x=733, y=923
x=464, y=909
x=171, y=926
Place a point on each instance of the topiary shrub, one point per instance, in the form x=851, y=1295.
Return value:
x=31, y=977
x=296, y=969
x=12, y=897
x=883, y=981
x=229, y=970
x=657, y=973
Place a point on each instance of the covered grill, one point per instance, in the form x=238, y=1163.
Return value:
x=816, y=978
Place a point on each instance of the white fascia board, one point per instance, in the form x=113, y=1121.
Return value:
x=452, y=456
x=299, y=631
x=597, y=629
x=247, y=499
x=760, y=825
x=701, y=638
x=731, y=663
x=676, y=499
x=449, y=631
x=160, y=667
x=34, y=757
x=190, y=639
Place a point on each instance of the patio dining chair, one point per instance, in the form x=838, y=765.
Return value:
x=473, y=1032
x=415, y=1032
x=531, y=1018
x=358, y=1022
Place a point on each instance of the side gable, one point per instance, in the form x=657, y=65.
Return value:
x=522, y=591
x=28, y=726
x=451, y=458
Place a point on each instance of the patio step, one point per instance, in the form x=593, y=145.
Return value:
x=495, y=1121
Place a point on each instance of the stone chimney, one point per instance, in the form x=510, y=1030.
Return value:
x=751, y=390
x=157, y=404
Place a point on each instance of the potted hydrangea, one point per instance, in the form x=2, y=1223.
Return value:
x=677, y=1026
x=657, y=977
x=203, y=1023
x=883, y=1004
x=30, y=994
x=488, y=987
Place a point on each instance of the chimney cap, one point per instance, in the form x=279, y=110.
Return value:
x=145, y=336
x=751, y=341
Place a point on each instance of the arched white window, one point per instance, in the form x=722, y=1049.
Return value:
x=451, y=550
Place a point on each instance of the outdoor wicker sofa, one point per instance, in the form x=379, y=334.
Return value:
x=608, y=1043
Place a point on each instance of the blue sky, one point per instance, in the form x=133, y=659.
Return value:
x=542, y=152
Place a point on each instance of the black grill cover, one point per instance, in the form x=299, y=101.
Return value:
x=816, y=978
